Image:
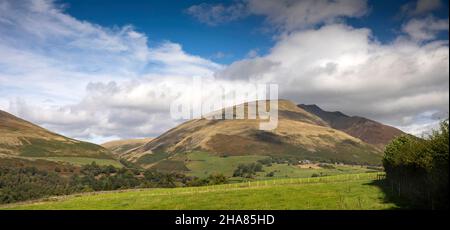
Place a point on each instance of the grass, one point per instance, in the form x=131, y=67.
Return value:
x=81, y=160
x=152, y=158
x=203, y=164
x=355, y=191
x=170, y=166
x=44, y=148
x=292, y=171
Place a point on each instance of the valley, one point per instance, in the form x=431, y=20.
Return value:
x=201, y=164
x=246, y=108
x=353, y=192
x=300, y=135
x=224, y=160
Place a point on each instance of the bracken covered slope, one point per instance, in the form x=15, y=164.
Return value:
x=120, y=148
x=299, y=134
x=22, y=138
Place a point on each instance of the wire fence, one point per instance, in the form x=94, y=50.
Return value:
x=272, y=183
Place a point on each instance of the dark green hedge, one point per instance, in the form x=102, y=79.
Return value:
x=417, y=168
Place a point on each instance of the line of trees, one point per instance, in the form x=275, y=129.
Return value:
x=20, y=184
x=417, y=168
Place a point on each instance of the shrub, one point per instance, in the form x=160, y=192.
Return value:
x=315, y=175
x=247, y=170
x=417, y=168
x=217, y=179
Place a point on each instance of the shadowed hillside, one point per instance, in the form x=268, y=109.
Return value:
x=365, y=129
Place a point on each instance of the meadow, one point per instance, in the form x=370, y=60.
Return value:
x=349, y=191
x=201, y=164
x=294, y=171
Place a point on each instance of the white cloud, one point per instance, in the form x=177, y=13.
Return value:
x=344, y=68
x=215, y=14
x=425, y=29
x=253, y=53
x=286, y=15
x=424, y=123
x=84, y=80
x=221, y=55
x=291, y=15
x=97, y=83
x=420, y=7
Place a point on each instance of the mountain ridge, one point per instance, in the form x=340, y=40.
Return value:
x=19, y=137
x=299, y=134
x=369, y=131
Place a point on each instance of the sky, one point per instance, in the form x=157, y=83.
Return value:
x=103, y=70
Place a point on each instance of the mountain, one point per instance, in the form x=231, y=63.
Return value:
x=369, y=131
x=299, y=135
x=121, y=147
x=21, y=138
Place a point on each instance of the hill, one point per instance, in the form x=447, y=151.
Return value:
x=369, y=131
x=353, y=192
x=20, y=138
x=120, y=148
x=299, y=135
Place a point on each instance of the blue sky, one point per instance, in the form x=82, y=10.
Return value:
x=168, y=20
x=101, y=70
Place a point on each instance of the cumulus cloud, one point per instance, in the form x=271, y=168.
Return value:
x=96, y=83
x=252, y=53
x=84, y=80
x=420, y=7
x=291, y=15
x=286, y=15
x=215, y=14
x=425, y=29
x=344, y=68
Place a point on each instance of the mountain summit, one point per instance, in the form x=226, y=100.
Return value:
x=300, y=134
x=369, y=131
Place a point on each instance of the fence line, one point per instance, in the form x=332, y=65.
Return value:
x=274, y=182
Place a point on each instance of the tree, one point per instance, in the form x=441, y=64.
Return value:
x=417, y=168
x=247, y=170
x=217, y=179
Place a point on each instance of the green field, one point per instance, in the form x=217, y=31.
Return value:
x=201, y=164
x=355, y=191
x=293, y=171
x=80, y=160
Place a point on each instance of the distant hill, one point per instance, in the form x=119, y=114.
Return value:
x=121, y=147
x=300, y=135
x=369, y=131
x=21, y=138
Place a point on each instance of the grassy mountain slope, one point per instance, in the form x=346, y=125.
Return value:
x=22, y=138
x=120, y=148
x=369, y=131
x=299, y=135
